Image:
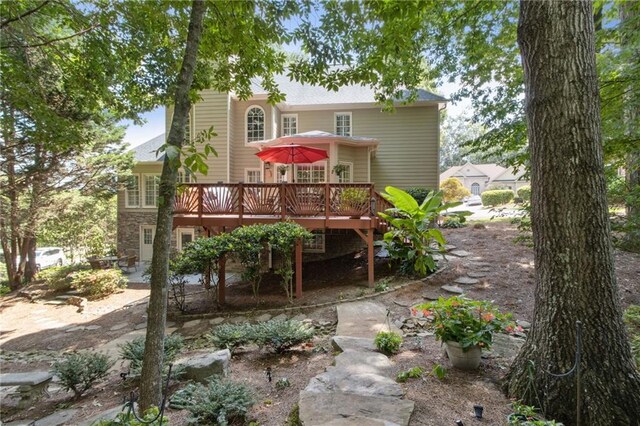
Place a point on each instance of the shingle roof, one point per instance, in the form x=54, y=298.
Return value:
x=303, y=94
x=147, y=151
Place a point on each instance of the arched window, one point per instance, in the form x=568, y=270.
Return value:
x=475, y=188
x=255, y=124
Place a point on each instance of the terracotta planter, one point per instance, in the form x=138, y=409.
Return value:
x=469, y=360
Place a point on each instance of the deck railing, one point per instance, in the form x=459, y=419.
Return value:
x=277, y=199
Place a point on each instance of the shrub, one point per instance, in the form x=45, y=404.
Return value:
x=281, y=335
x=59, y=278
x=78, y=371
x=413, y=373
x=632, y=319
x=96, y=284
x=133, y=352
x=525, y=193
x=496, y=198
x=452, y=222
x=231, y=336
x=4, y=289
x=526, y=415
x=419, y=193
x=220, y=402
x=388, y=342
x=128, y=419
x=382, y=285
x=453, y=190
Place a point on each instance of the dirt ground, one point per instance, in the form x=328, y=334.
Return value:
x=32, y=335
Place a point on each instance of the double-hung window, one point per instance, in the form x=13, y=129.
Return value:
x=253, y=175
x=151, y=190
x=311, y=173
x=289, y=124
x=314, y=244
x=185, y=177
x=255, y=124
x=343, y=123
x=132, y=192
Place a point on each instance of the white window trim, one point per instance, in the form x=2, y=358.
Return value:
x=252, y=169
x=335, y=121
x=183, y=172
x=127, y=204
x=319, y=249
x=143, y=193
x=296, y=166
x=282, y=117
x=246, y=122
x=350, y=164
x=184, y=230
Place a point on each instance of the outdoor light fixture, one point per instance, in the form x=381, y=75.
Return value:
x=372, y=206
x=478, y=409
x=267, y=165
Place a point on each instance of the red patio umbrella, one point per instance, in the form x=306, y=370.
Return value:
x=292, y=154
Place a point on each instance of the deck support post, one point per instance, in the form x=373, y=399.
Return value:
x=370, y=258
x=299, y=268
x=222, y=262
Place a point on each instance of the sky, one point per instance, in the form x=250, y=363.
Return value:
x=154, y=121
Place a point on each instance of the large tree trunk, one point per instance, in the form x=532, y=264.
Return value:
x=151, y=380
x=572, y=247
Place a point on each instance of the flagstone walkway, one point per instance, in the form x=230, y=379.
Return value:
x=360, y=388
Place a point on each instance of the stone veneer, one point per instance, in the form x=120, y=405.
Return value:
x=129, y=229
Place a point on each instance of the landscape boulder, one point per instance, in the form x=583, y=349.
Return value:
x=204, y=364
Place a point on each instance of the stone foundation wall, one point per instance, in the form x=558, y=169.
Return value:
x=129, y=229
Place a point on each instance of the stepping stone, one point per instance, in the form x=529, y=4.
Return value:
x=216, y=321
x=263, y=318
x=336, y=380
x=460, y=253
x=55, y=302
x=241, y=319
x=480, y=264
x=452, y=289
x=299, y=317
x=58, y=418
x=431, y=294
x=322, y=408
x=524, y=324
x=466, y=281
x=449, y=247
x=346, y=343
x=190, y=324
x=109, y=414
x=93, y=327
x=281, y=317
x=76, y=328
x=140, y=326
x=474, y=274
x=119, y=326
x=364, y=363
x=438, y=257
x=504, y=346
x=362, y=319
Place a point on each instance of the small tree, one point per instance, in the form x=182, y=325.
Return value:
x=282, y=237
x=453, y=190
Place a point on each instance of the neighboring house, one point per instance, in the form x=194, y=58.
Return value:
x=381, y=148
x=477, y=178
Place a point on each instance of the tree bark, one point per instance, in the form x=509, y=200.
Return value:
x=572, y=247
x=151, y=380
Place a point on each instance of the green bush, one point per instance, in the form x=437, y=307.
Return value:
x=453, y=190
x=525, y=193
x=451, y=222
x=4, y=289
x=496, y=198
x=60, y=278
x=281, y=335
x=632, y=319
x=413, y=373
x=388, y=342
x=231, y=336
x=133, y=352
x=220, y=402
x=78, y=371
x=128, y=419
x=526, y=415
x=96, y=284
x=419, y=193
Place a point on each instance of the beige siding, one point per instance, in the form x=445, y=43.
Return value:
x=212, y=111
x=245, y=156
x=233, y=152
x=357, y=156
x=139, y=169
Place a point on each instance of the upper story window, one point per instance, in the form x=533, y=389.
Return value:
x=151, y=190
x=187, y=129
x=343, y=123
x=132, y=192
x=255, y=124
x=289, y=124
x=185, y=177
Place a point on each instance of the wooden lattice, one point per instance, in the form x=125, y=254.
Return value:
x=186, y=201
x=220, y=199
x=305, y=199
x=261, y=199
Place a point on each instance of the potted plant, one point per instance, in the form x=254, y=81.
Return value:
x=282, y=169
x=339, y=170
x=354, y=201
x=465, y=327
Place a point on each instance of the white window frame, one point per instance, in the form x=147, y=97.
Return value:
x=350, y=165
x=284, y=128
x=246, y=123
x=252, y=169
x=315, y=245
x=317, y=163
x=335, y=122
x=144, y=190
x=127, y=202
x=184, y=230
x=182, y=174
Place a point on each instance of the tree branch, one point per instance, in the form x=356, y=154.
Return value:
x=47, y=42
x=24, y=15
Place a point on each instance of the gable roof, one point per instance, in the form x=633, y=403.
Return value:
x=489, y=171
x=298, y=94
x=146, y=152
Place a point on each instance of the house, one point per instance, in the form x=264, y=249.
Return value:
x=477, y=178
x=376, y=149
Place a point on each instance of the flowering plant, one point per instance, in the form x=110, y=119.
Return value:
x=468, y=322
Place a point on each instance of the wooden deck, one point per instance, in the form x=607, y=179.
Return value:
x=223, y=207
